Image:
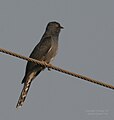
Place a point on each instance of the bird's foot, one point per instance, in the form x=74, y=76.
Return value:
x=49, y=69
x=46, y=66
x=45, y=63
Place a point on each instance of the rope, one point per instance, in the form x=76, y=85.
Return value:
x=57, y=68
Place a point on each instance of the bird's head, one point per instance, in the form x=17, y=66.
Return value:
x=53, y=28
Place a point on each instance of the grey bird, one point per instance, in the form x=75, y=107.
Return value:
x=45, y=51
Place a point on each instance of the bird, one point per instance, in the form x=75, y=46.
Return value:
x=45, y=51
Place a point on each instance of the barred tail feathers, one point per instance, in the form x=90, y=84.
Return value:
x=25, y=90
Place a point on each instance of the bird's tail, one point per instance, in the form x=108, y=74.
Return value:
x=24, y=93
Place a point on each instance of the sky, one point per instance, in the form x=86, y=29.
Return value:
x=86, y=47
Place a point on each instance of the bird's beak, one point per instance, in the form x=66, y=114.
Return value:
x=61, y=27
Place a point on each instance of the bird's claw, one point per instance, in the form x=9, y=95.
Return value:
x=49, y=69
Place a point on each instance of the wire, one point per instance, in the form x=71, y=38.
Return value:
x=56, y=68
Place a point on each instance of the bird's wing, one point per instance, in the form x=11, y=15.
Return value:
x=39, y=52
x=41, y=48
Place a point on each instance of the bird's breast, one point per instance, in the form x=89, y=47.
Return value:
x=52, y=51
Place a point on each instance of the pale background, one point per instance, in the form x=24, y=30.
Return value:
x=86, y=46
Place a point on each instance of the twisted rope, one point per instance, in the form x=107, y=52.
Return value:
x=57, y=68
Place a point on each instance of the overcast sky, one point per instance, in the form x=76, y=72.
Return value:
x=86, y=46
